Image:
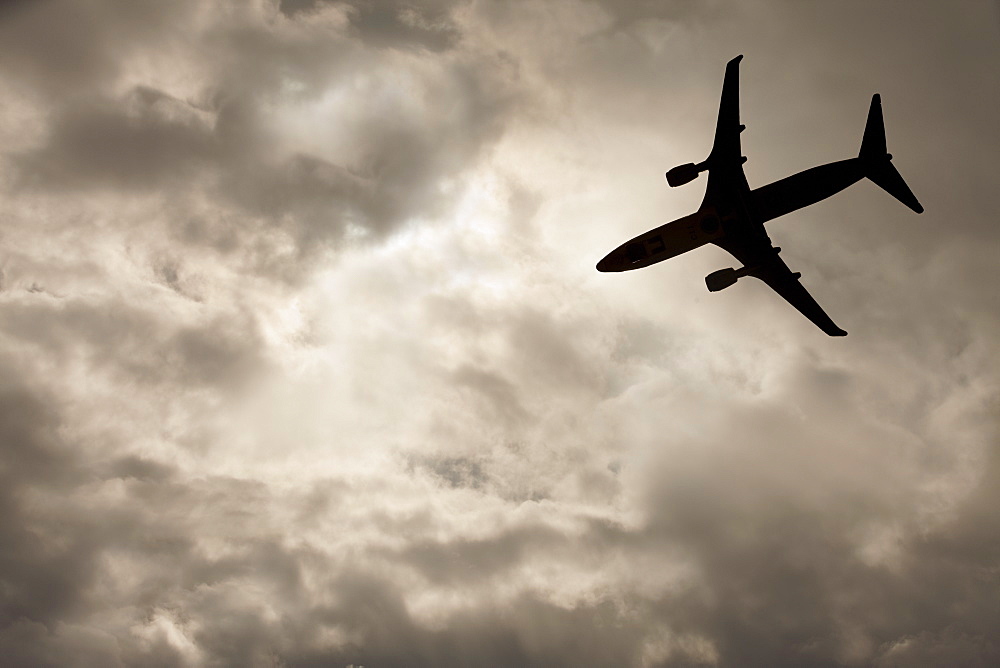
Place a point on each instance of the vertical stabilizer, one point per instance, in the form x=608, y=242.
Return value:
x=873, y=144
x=878, y=165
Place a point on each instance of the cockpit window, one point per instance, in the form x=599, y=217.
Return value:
x=636, y=251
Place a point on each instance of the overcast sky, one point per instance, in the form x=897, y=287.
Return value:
x=304, y=360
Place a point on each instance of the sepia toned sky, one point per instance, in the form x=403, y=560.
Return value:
x=304, y=360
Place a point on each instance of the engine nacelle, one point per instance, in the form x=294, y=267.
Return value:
x=720, y=280
x=682, y=174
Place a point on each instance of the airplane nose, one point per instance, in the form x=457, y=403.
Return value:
x=613, y=261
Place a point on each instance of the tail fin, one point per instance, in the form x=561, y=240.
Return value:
x=878, y=167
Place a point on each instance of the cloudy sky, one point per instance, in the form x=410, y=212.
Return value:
x=305, y=361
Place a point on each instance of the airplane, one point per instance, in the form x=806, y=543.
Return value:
x=732, y=216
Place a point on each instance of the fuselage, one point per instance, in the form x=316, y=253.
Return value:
x=734, y=221
x=665, y=241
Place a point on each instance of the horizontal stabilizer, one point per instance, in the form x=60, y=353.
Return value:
x=885, y=176
x=878, y=165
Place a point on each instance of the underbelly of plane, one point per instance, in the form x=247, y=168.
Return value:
x=664, y=242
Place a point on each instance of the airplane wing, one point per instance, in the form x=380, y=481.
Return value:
x=727, y=187
x=725, y=162
x=765, y=264
x=780, y=278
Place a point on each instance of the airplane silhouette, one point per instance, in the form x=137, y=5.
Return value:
x=732, y=216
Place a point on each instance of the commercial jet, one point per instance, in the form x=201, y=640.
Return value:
x=732, y=216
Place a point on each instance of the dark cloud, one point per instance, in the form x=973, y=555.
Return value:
x=458, y=471
x=136, y=344
x=150, y=140
x=64, y=49
x=393, y=24
x=140, y=468
x=497, y=392
x=627, y=14
x=217, y=143
x=528, y=632
x=404, y=159
x=27, y=643
x=44, y=569
x=785, y=576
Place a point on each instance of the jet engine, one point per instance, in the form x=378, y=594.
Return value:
x=720, y=280
x=682, y=174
